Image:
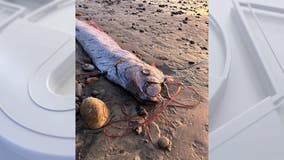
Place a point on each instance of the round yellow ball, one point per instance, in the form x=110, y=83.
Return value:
x=94, y=112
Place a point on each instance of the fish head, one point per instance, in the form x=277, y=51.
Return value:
x=149, y=81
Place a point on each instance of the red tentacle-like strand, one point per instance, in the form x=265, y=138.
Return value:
x=152, y=116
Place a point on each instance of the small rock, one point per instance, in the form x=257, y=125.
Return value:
x=203, y=48
x=95, y=93
x=88, y=67
x=191, y=62
x=79, y=90
x=165, y=143
x=145, y=140
x=159, y=10
x=138, y=130
x=184, y=8
x=176, y=13
x=141, y=9
x=121, y=151
x=91, y=80
x=180, y=29
x=162, y=5
x=79, y=14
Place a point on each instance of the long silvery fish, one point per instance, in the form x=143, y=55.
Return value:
x=121, y=67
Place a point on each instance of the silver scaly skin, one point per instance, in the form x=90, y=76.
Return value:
x=121, y=67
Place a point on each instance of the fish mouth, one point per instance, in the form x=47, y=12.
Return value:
x=151, y=92
x=153, y=89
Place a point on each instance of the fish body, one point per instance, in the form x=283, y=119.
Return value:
x=121, y=66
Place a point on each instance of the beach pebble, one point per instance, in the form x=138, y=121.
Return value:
x=191, y=62
x=203, y=48
x=145, y=140
x=184, y=21
x=159, y=10
x=165, y=143
x=88, y=67
x=176, y=13
x=94, y=112
x=162, y=5
x=79, y=90
x=91, y=80
x=138, y=130
x=95, y=93
x=79, y=14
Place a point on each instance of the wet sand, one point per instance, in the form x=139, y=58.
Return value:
x=173, y=35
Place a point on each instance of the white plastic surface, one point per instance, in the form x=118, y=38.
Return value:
x=220, y=60
x=247, y=120
x=37, y=99
x=30, y=5
x=9, y=12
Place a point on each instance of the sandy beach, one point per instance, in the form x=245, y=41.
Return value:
x=172, y=34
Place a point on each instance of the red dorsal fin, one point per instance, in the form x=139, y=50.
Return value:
x=94, y=24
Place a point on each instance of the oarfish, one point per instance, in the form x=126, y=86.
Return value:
x=122, y=67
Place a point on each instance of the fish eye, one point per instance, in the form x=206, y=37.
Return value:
x=146, y=72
